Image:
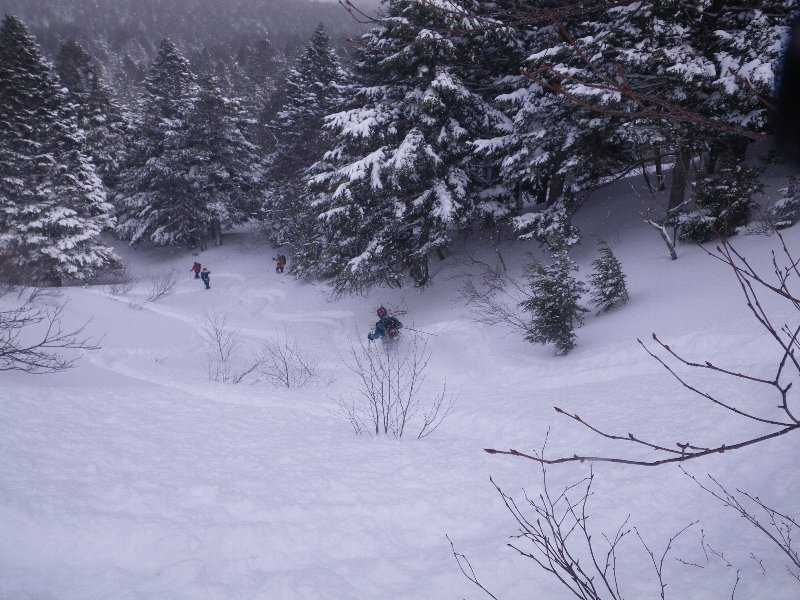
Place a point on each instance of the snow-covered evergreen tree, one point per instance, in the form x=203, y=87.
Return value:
x=633, y=85
x=608, y=281
x=786, y=210
x=313, y=91
x=401, y=176
x=553, y=303
x=52, y=203
x=254, y=77
x=724, y=203
x=156, y=191
x=223, y=168
x=550, y=148
x=99, y=116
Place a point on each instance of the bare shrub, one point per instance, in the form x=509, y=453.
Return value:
x=284, y=364
x=554, y=533
x=222, y=348
x=492, y=297
x=122, y=283
x=771, y=413
x=123, y=287
x=776, y=417
x=32, y=336
x=162, y=285
x=780, y=529
x=388, y=399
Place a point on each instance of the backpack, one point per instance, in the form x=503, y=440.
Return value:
x=393, y=326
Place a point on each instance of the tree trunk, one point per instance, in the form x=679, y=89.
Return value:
x=659, y=170
x=541, y=195
x=216, y=232
x=556, y=188
x=680, y=176
x=419, y=272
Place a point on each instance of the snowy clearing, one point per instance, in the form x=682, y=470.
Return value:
x=133, y=476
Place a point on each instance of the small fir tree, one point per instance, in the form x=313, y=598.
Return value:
x=724, y=203
x=553, y=303
x=786, y=211
x=607, y=281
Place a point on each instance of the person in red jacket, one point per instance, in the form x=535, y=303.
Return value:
x=196, y=270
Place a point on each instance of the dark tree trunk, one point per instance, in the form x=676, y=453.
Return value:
x=680, y=177
x=556, y=189
x=216, y=232
x=661, y=186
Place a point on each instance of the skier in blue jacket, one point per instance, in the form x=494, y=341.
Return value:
x=387, y=327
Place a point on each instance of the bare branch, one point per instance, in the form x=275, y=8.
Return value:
x=467, y=570
x=778, y=528
x=388, y=394
x=284, y=364
x=786, y=370
x=162, y=285
x=32, y=336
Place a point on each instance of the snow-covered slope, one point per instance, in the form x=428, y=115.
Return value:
x=133, y=476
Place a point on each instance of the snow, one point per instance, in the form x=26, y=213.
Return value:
x=133, y=476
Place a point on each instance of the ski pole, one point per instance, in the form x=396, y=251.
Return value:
x=419, y=331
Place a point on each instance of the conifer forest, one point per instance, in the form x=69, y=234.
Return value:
x=382, y=299
x=374, y=142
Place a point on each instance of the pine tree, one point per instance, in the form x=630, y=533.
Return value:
x=52, y=203
x=254, y=77
x=99, y=116
x=313, y=90
x=223, y=169
x=401, y=176
x=707, y=60
x=607, y=281
x=786, y=211
x=157, y=199
x=548, y=149
x=553, y=303
x=724, y=203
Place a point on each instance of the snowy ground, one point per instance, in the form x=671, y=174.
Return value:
x=133, y=476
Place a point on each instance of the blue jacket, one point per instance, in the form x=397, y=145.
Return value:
x=386, y=326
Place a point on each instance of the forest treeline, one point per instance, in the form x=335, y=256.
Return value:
x=170, y=123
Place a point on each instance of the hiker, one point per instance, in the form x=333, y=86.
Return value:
x=205, y=275
x=280, y=262
x=387, y=327
x=195, y=269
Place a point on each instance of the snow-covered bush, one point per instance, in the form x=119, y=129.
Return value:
x=724, y=203
x=786, y=211
x=553, y=303
x=123, y=284
x=388, y=398
x=608, y=280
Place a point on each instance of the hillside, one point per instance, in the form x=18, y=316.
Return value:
x=134, y=476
